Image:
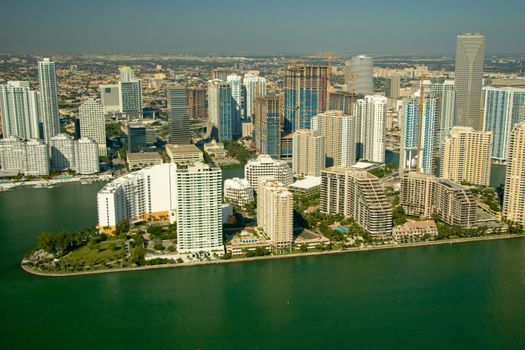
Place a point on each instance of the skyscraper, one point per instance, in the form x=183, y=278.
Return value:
x=255, y=87
x=338, y=132
x=466, y=155
x=267, y=125
x=19, y=109
x=275, y=212
x=392, y=86
x=305, y=95
x=237, y=102
x=48, y=98
x=308, y=153
x=199, y=213
x=501, y=112
x=360, y=75
x=423, y=130
x=93, y=123
x=178, y=114
x=370, y=114
x=197, y=103
x=514, y=197
x=446, y=94
x=130, y=90
x=470, y=55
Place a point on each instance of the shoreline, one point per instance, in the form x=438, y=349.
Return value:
x=272, y=257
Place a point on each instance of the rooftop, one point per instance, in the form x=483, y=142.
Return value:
x=143, y=156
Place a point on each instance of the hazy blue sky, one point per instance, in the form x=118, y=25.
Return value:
x=264, y=26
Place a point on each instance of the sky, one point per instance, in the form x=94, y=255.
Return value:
x=258, y=27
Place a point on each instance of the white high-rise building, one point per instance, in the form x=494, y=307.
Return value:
x=446, y=94
x=12, y=153
x=501, y=112
x=213, y=101
x=265, y=165
x=130, y=90
x=110, y=98
x=86, y=156
x=360, y=75
x=370, y=114
x=308, y=153
x=199, y=208
x=150, y=193
x=48, y=98
x=62, y=152
x=338, y=132
x=19, y=110
x=37, y=158
x=255, y=87
x=275, y=212
x=93, y=123
x=28, y=157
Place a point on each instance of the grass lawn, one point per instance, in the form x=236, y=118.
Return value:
x=95, y=256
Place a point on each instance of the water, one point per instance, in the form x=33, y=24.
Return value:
x=458, y=296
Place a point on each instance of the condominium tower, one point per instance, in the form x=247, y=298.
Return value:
x=48, y=98
x=359, y=77
x=308, y=153
x=370, y=114
x=275, y=212
x=255, y=87
x=514, y=198
x=199, y=213
x=93, y=123
x=268, y=122
x=338, y=132
x=359, y=195
x=265, y=165
x=130, y=89
x=501, y=112
x=466, y=156
x=19, y=110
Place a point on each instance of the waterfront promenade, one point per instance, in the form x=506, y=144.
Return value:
x=280, y=256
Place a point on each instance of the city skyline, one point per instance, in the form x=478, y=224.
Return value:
x=178, y=28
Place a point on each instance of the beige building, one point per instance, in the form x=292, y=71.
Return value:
x=514, y=199
x=275, y=212
x=238, y=191
x=424, y=195
x=308, y=153
x=466, y=156
x=414, y=230
x=338, y=132
x=215, y=149
x=184, y=154
x=359, y=195
x=141, y=160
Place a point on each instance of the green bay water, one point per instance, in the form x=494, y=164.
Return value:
x=456, y=296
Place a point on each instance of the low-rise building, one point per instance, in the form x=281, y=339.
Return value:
x=141, y=160
x=184, y=153
x=215, y=149
x=415, y=230
x=306, y=185
x=247, y=240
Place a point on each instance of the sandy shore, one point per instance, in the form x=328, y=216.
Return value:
x=270, y=257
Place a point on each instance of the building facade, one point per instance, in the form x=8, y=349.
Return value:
x=466, y=156
x=238, y=191
x=514, y=197
x=308, y=153
x=338, y=132
x=19, y=109
x=359, y=195
x=93, y=123
x=48, y=98
x=470, y=56
x=268, y=123
x=265, y=165
x=178, y=114
x=86, y=156
x=360, y=74
x=370, y=117
x=62, y=148
x=275, y=213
